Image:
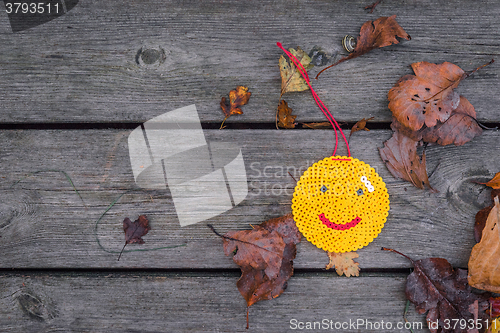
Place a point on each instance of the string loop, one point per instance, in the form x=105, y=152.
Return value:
x=318, y=101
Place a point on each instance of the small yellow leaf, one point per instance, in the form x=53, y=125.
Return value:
x=291, y=79
x=344, y=263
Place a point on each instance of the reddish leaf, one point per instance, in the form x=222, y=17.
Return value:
x=436, y=288
x=237, y=98
x=379, y=33
x=135, y=230
x=400, y=157
x=360, y=125
x=265, y=255
x=495, y=307
x=459, y=128
x=285, y=117
x=427, y=98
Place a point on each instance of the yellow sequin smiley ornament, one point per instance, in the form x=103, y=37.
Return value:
x=340, y=204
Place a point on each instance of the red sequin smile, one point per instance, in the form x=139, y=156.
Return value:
x=337, y=226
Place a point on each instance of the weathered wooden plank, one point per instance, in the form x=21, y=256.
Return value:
x=44, y=223
x=195, y=303
x=82, y=66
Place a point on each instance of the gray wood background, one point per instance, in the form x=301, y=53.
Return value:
x=72, y=90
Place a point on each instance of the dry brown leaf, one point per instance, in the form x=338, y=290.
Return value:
x=321, y=125
x=400, y=156
x=343, y=263
x=379, y=33
x=494, y=182
x=265, y=255
x=482, y=216
x=437, y=288
x=360, y=125
x=426, y=97
x=484, y=261
x=134, y=231
x=237, y=98
x=285, y=117
x=291, y=79
x=460, y=128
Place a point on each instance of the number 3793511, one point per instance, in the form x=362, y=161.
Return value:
x=31, y=8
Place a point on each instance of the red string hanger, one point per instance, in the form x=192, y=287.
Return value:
x=318, y=101
x=340, y=204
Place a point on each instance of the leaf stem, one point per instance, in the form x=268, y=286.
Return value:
x=248, y=325
x=334, y=64
x=388, y=249
x=223, y=123
x=242, y=241
x=462, y=77
x=123, y=248
x=482, y=66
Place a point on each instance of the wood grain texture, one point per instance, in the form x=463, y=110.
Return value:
x=82, y=66
x=192, y=303
x=45, y=224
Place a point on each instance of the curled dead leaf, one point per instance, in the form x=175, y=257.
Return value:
x=360, y=125
x=400, y=156
x=285, y=117
x=265, y=255
x=426, y=97
x=484, y=261
x=458, y=129
x=374, y=34
x=443, y=292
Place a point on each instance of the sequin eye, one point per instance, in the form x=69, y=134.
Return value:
x=359, y=192
x=323, y=189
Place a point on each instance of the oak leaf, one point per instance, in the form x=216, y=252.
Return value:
x=443, y=292
x=343, y=263
x=291, y=79
x=135, y=230
x=237, y=98
x=484, y=261
x=285, y=117
x=494, y=182
x=265, y=255
x=360, y=125
x=375, y=34
x=400, y=156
